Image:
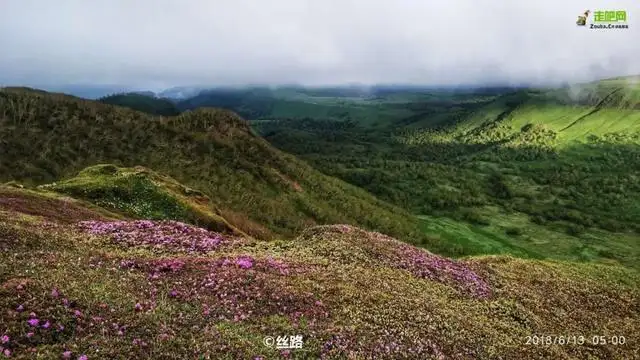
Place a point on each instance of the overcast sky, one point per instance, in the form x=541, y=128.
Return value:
x=162, y=43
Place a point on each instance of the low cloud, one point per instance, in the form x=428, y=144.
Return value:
x=163, y=43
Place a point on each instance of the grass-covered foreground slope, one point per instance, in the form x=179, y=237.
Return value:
x=77, y=284
x=261, y=190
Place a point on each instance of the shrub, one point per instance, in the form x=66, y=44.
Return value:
x=514, y=231
x=474, y=217
x=575, y=229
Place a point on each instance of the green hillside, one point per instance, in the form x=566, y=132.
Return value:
x=580, y=112
x=517, y=169
x=262, y=191
x=77, y=281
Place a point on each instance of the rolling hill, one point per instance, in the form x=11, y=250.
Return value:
x=579, y=112
x=257, y=188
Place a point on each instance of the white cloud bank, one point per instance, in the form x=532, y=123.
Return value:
x=162, y=43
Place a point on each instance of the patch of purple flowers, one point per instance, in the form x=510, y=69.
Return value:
x=128, y=264
x=171, y=235
x=165, y=266
x=245, y=262
x=419, y=262
x=244, y=287
x=430, y=266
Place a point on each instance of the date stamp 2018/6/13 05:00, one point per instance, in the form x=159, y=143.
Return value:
x=549, y=340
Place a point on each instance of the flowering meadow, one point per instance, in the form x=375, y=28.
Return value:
x=78, y=285
x=167, y=235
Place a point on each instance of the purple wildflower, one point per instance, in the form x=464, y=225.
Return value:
x=173, y=293
x=244, y=262
x=7, y=352
x=77, y=313
x=138, y=307
x=4, y=339
x=172, y=235
x=127, y=264
x=30, y=334
x=46, y=325
x=421, y=263
x=83, y=357
x=66, y=355
x=33, y=322
x=55, y=293
x=139, y=342
x=20, y=308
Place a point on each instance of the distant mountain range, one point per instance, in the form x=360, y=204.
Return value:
x=179, y=93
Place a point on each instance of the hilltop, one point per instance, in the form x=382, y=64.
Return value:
x=144, y=194
x=77, y=279
x=261, y=190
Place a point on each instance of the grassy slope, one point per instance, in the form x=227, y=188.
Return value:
x=143, y=194
x=592, y=109
x=513, y=233
x=262, y=191
x=349, y=293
